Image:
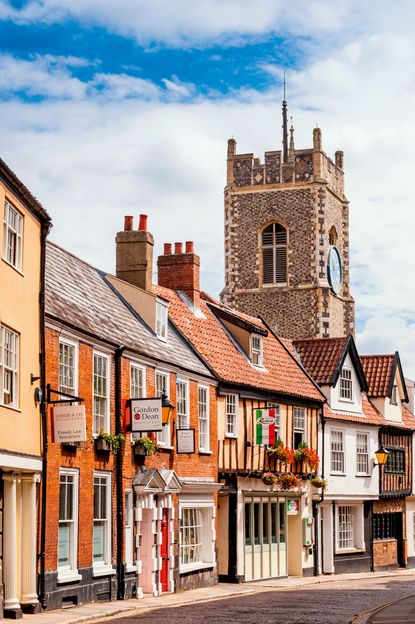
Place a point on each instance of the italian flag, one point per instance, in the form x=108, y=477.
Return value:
x=265, y=426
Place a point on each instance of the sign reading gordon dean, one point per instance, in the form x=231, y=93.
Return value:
x=69, y=423
x=146, y=415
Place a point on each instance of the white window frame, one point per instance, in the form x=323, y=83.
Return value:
x=257, y=351
x=164, y=436
x=17, y=232
x=298, y=412
x=71, y=343
x=129, y=531
x=105, y=417
x=357, y=526
x=203, y=419
x=11, y=368
x=231, y=415
x=70, y=573
x=183, y=417
x=394, y=395
x=162, y=319
x=346, y=384
x=361, y=453
x=206, y=512
x=103, y=568
x=137, y=367
x=341, y=451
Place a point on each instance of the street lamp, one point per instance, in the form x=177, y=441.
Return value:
x=382, y=455
x=166, y=409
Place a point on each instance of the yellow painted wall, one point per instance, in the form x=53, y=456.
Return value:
x=19, y=309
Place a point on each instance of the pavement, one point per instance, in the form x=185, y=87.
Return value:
x=102, y=610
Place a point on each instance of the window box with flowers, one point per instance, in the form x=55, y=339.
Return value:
x=145, y=446
x=308, y=456
x=282, y=453
x=288, y=481
x=108, y=442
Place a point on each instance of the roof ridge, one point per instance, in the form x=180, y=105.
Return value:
x=378, y=355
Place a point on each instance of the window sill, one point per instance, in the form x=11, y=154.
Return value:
x=338, y=474
x=350, y=551
x=13, y=267
x=103, y=570
x=68, y=577
x=203, y=452
x=231, y=435
x=344, y=400
x=362, y=474
x=131, y=568
x=200, y=565
x=162, y=447
x=161, y=338
x=10, y=407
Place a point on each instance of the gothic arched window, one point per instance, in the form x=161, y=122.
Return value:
x=274, y=254
x=333, y=236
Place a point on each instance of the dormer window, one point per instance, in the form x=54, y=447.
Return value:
x=346, y=384
x=394, y=400
x=256, y=350
x=161, y=320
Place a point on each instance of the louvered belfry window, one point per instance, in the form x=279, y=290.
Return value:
x=274, y=254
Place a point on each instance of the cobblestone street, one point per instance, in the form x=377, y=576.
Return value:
x=325, y=603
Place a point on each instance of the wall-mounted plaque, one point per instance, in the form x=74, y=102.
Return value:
x=185, y=440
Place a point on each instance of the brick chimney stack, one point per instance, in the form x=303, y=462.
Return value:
x=134, y=253
x=180, y=271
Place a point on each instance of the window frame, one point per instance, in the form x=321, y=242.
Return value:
x=257, y=351
x=344, y=382
x=394, y=395
x=352, y=512
x=234, y=424
x=180, y=415
x=301, y=430
x=204, y=448
x=162, y=320
x=393, y=451
x=138, y=367
x=274, y=247
x=13, y=371
x=164, y=436
x=342, y=451
x=100, y=568
x=129, y=531
x=361, y=473
x=75, y=345
x=69, y=573
x=206, y=538
x=106, y=415
x=9, y=207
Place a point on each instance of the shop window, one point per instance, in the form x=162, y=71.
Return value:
x=346, y=391
x=183, y=420
x=196, y=537
x=12, y=236
x=396, y=461
x=337, y=452
x=203, y=414
x=68, y=367
x=385, y=526
x=274, y=254
x=102, y=521
x=345, y=527
x=362, y=453
x=68, y=523
x=101, y=394
x=161, y=320
x=9, y=367
x=231, y=415
x=299, y=414
x=162, y=386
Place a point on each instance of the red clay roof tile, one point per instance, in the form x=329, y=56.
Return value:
x=378, y=371
x=320, y=357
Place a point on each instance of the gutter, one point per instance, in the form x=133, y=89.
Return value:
x=118, y=471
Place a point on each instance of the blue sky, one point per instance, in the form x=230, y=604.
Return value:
x=111, y=108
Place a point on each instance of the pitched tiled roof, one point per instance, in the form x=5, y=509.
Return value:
x=371, y=416
x=378, y=371
x=281, y=373
x=11, y=179
x=77, y=294
x=408, y=418
x=321, y=357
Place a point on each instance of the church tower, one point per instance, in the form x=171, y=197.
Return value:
x=287, y=239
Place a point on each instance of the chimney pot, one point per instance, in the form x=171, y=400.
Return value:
x=178, y=248
x=190, y=248
x=143, y=223
x=167, y=249
x=128, y=223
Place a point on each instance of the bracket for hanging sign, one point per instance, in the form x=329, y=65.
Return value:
x=70, y=397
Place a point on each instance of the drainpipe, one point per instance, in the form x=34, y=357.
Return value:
x=319, y=531
x=118, y=467
x=43, y=414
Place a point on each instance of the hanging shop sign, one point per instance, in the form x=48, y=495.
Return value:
x=69, y=423
x=146, y=415
x=185, y=440
x=265, y=421
x=293, y=506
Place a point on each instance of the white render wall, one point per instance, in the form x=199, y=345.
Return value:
x=343, y=405
x=348, y=485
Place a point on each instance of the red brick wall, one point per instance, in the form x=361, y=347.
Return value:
x=180, y=272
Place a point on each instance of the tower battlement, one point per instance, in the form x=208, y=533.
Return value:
x=303, y=166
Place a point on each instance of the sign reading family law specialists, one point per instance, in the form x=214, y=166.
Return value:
x=69, y=423
x=185, y=441
x=146, y=415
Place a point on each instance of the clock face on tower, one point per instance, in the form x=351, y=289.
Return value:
x=334, y=269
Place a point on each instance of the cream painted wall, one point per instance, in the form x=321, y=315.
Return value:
x=20, y=429
x=336, y=403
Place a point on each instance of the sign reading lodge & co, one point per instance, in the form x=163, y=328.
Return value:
x=69, y=423
x=146, y=415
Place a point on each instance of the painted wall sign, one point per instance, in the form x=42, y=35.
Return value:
x=185, y=440
x=293, y=506
x=265, y=421
x=146, y=415
x=69, y=423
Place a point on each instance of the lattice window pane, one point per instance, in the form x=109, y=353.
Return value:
x=337, y=451
x=362, y=452
x=346, y=384
x=231, y=414
x=345, y=527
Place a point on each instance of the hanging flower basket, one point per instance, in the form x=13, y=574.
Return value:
x=283, y=453
x=269, y=478
x=319, y=483
x=308, y=456
x=288, y=481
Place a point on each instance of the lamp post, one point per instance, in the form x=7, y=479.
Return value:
x=382, y=455
x=166, y=409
